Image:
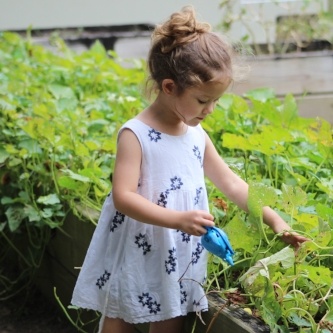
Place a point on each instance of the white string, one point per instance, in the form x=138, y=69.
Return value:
x=101, y=321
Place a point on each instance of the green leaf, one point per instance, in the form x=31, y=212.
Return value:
x=3, y=155
x=68, y=182
x=32, y=214
x=76, y=176
x=59, y=91
x=260, y=195
x=240, y=235
x=270, y=308
x=260, y=94
x=50, y=199
x=31, y=146
x=299, y=321
x=318, y=275
x=292, y=197
x=15, y=216
x=285, y=257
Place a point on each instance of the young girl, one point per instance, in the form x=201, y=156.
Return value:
x=145, y=262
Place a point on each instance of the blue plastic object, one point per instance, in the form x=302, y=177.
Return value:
x=216, y=241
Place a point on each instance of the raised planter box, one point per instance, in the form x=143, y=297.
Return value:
x=307, y=75
x=66, y=251
x=220, y=318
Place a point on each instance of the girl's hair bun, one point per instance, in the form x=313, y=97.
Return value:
x=180, y=29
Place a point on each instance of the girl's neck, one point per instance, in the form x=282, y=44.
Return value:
x=161, y=117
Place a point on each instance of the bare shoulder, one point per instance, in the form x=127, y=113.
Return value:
x=128, y=142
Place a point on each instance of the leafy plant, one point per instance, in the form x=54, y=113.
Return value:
x=293, y=32
x=287, y=161
x=59, y=118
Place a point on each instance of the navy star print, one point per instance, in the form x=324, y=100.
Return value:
x=154, y=135
x=170, y=264
x=103, y=279
x=147, y=300
x=185, y=236
x=117, y=220
x=196, y=254
x=142, y=243
x=197, y=154
x=183, y=293
x=176, y=183
x=196, y=199
x=162, y=201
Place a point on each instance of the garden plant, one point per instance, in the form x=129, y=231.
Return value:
x=60, y=113
x=302, y=26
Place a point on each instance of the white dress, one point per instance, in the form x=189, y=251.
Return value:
x=140, y=272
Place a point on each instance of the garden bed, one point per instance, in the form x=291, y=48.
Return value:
x=48, y=173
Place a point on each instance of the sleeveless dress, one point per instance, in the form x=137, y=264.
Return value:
x=140, y=272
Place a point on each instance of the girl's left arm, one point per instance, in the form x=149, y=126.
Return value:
x=236, y=190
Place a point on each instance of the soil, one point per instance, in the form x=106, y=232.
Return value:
x=32, y=313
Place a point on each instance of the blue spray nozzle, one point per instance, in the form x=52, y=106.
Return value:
x=216, y=241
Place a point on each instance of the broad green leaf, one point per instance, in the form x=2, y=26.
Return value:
x=308, y=221
x=76, y=176
x=50, y=199
x=292, y=198
x=239, y=105
x=289, y=111
x=233, y=141
x=324, y=212
x=32, y=214
x=260, y=195
x=31, y=146
x=15, y=216
x=260, y=94
x=318, y=275
x=299, y=321
x=284, y=257
x=240, y=235
x=68, y=182
x=61, y=92
x=326, y=185
x=270, y=307
x=13, y=162
x=3, y=155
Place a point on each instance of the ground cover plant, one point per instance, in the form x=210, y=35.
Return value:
x=60, y=113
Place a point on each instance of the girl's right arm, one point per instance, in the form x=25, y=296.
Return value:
x=126, y=199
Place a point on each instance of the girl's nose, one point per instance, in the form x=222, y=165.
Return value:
x=209, y=108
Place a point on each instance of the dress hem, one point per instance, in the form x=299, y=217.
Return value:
x=138, y=320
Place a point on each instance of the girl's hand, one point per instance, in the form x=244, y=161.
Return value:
x=194, y=222
x=293, y=239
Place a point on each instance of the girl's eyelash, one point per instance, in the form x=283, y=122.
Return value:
x=204, y=102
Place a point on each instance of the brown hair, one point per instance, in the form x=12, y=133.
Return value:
x=187, y=52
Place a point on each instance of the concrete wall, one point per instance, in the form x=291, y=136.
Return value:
x=20, y=14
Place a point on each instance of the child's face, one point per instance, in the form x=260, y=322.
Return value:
x=196, y=103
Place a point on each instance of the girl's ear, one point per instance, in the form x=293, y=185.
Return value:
x=169, y=86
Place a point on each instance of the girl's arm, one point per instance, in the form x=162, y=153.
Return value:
x=129, y=202
x=236, y=190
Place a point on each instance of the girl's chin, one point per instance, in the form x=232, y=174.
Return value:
x=194, y=122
